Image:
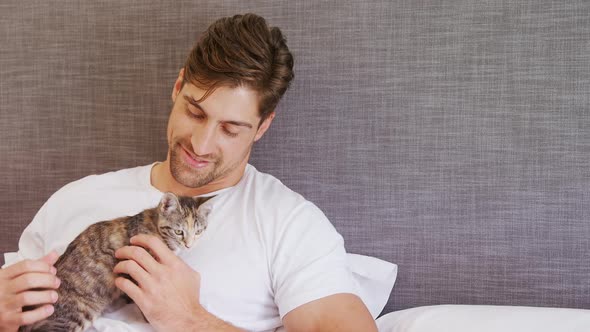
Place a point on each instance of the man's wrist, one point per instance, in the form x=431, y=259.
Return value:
x=204, y=321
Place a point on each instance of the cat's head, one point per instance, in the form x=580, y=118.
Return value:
x=181, y=220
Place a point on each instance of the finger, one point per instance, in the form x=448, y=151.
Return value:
x=139, y=255
x=27, y=266
x=131, y=289
x=34, y=280
x=134, y=270
x=32, y=298
x=50, y=258
x=31, y=316
x=163, y=254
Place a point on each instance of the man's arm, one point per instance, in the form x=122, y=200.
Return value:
x=338, y=312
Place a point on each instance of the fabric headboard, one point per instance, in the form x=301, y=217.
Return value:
x=449, y=137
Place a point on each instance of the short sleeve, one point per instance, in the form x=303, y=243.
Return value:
x=309, y=261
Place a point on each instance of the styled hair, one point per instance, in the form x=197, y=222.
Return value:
x=242, y=51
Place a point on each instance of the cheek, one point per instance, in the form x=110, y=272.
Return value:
x=178, y=125
x=169, y=135
x=171, y=130
x=236, y=148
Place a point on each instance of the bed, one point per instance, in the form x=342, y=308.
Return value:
x=448, y=139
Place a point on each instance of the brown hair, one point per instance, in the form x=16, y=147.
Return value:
x=242, y=51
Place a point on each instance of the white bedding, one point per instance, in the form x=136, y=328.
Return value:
x=480, y=318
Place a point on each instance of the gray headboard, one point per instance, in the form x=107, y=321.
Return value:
x=449, y=137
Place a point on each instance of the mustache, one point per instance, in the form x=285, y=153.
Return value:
x=189, y=149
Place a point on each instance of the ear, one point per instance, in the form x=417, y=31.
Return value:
x=264, y=126
x=201, y=200
x=178, y=85
x=203, y=210
x=168, y=204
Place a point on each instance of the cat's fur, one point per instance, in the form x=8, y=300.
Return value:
x=86, y=268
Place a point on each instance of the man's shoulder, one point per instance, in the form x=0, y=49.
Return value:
x=269, y=187
x=271, y=195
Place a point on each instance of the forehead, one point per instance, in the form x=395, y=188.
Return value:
x=225, y=102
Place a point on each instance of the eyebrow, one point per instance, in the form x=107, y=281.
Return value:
x=193, y=102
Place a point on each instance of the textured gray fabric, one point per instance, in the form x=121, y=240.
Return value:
x=449, y=137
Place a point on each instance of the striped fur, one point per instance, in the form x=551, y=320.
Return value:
x=87, y=282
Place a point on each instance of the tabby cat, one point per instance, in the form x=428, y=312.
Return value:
x=86, y=268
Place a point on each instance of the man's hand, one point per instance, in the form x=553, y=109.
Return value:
x=27, y=283
x=167, y=289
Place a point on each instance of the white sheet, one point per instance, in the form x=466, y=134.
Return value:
x=480, y=318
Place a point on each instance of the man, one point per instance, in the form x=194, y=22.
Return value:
x=268, y=258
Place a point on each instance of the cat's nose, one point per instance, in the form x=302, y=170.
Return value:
x=188, y=242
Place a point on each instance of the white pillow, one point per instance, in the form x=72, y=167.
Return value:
x=481, y=318
x=375, y=278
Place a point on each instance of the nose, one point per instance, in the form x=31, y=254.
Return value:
x=203, y=140
x=188, y=243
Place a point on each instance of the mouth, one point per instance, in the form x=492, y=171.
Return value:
x=193, y=161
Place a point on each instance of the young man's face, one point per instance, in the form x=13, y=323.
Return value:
x=210, y=142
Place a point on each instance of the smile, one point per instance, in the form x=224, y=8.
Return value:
x=192, y=161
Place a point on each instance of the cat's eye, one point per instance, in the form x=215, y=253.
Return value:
x=178, y=232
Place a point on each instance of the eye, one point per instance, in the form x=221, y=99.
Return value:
x=178, y=232
x=229, y=133
x=193, y=115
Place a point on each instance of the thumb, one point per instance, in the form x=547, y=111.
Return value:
x=50, y=258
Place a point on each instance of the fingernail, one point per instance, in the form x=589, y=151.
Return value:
x=49, y=309
x=53, y=270
x=57, y=282
x=54, y=297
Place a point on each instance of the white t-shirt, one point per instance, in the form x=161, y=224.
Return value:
x=266, y=249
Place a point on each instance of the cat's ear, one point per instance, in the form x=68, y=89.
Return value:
x=204, y=210
x=168, y=204
x=201, y=200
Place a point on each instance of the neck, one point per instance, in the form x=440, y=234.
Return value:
x=162, y=179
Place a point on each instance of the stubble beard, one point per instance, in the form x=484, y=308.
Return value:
x=188, y=176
